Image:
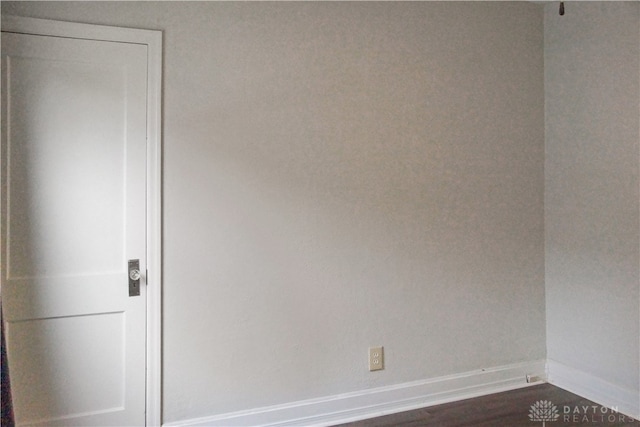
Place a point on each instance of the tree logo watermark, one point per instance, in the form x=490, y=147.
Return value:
x=543, y=410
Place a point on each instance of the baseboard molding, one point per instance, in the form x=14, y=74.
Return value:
x=593, y=388
x=341, y=408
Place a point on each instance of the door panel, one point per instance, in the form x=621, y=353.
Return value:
x=74, y=142
x=73, y=182
x=71, y=367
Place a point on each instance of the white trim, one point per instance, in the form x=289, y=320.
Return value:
x=153, y=40
x=589, y=386
x=347, y=407
x=154, y=230
x=45, y=27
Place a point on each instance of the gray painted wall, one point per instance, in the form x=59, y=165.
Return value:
x=592, y=96
x=341, y=175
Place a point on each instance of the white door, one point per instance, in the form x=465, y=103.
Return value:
x=73, y=214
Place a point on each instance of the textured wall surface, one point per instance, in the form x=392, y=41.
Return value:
x=592, y=212
x=341, y=175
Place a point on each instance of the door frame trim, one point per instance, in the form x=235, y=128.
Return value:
x=153, y=40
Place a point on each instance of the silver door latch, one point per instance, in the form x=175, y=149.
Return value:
x=134, y=277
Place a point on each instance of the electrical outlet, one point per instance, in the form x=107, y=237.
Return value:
x=376, y=358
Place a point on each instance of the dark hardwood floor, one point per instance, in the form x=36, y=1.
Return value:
x=511, y=408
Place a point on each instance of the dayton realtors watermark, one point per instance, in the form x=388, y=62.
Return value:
x=593, y=414
x=545, y=411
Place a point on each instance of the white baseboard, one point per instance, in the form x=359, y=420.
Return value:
x=347, y=407
x=584, y=384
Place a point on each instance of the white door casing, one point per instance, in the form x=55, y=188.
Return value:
x=80, y=196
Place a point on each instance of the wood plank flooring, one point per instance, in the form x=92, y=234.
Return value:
x=508, y=409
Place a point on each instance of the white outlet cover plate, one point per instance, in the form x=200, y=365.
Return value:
x=376, y=358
